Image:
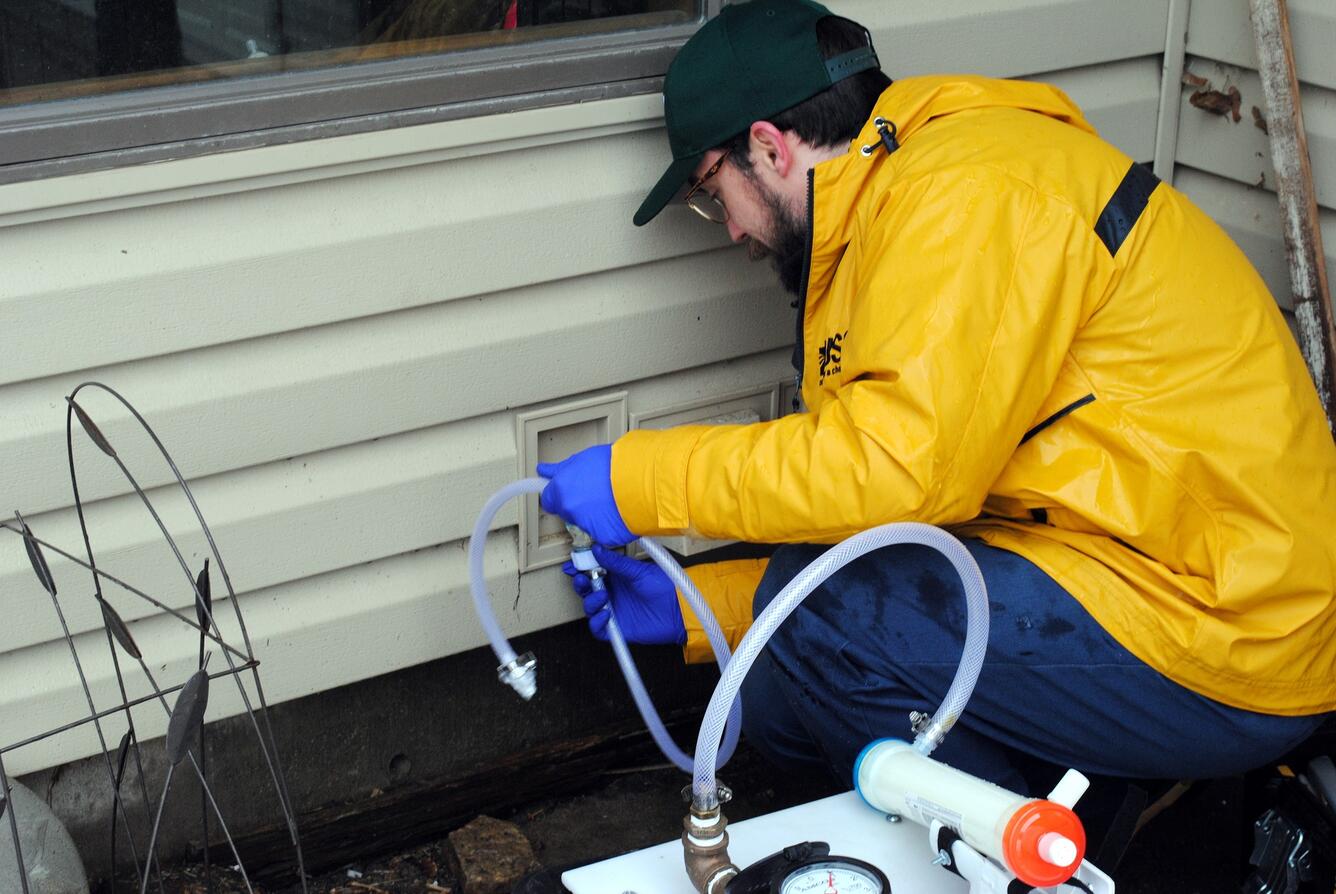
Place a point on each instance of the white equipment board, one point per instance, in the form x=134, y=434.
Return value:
x=845, y=822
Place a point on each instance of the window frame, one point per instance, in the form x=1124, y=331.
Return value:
x=67, y=136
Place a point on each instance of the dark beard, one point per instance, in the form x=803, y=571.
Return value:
x=788, y=254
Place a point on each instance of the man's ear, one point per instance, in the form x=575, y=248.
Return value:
x=770, y=148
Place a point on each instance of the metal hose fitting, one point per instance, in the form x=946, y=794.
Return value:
x=705, y=850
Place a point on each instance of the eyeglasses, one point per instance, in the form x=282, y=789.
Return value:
x=702, y=201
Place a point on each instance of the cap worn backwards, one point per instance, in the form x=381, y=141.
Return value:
x=754, y=60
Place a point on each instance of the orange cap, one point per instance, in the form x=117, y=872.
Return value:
x=1020, y=842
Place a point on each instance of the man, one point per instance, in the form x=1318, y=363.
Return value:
x=1007, y=329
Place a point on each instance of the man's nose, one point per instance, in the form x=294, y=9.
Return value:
x=735, y=232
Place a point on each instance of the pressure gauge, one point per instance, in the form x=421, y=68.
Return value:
x=809, y=868
x=835, y=875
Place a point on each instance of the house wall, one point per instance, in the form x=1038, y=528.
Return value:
x=335, y=339
x=1225, y=165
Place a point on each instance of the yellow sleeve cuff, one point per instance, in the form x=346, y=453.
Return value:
x=649, y=478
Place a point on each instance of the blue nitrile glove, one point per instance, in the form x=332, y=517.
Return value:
x=581, y=493
x=643, y=597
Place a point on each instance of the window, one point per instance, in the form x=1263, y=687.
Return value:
x=95, y=83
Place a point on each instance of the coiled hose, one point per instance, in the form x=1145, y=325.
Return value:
x=703, y=785
x=719, y=730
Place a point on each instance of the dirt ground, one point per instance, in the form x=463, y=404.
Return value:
x=423, y=870
x=1196, y=846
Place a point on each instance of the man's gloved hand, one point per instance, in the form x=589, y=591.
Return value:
x=580, y=491
x=643, y=597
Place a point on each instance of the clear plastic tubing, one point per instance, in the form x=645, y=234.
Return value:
x=703, y=786
x=505, y=655
x=477, y=543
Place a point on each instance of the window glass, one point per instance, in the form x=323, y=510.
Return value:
x=57, y=49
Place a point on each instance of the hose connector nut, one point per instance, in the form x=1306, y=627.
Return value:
x=521, y=674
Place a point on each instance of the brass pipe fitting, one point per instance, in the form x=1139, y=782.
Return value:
x=705, y=850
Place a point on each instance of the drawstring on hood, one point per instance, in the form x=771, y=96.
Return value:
x=887, y=131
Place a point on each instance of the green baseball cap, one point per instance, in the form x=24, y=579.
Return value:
x=750, y=62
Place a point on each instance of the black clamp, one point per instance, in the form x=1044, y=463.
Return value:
x=758, y=877
x=946, y=837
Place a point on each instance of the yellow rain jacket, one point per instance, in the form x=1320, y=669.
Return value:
x=1010, y=330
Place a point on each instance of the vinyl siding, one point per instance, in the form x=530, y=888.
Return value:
x=1226, y=166
x=334, y=339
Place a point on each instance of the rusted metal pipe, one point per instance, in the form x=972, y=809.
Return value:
x=705, y=849
x=1298, y=202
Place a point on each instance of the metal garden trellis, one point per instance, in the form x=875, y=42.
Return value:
x=185, y=728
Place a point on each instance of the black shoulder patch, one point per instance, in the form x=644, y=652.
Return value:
x=1125, y=207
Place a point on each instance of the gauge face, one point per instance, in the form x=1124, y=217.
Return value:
x=835, y=877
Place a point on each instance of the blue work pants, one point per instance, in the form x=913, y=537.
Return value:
x=883, y=636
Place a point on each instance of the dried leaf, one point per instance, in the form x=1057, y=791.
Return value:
x=39, y=566
x=1259, y=120
x=204, y=605
x=184, y=726
x=1218, y=103
x=93, y=431
x=119, y=630
x=122, y=753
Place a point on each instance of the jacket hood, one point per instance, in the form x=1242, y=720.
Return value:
x=913, y=102
x=910, y=104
